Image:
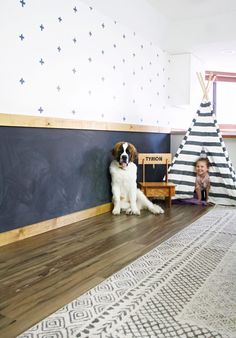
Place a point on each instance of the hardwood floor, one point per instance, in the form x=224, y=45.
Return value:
x=39, y=275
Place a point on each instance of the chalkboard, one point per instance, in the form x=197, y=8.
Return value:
x=47, y=173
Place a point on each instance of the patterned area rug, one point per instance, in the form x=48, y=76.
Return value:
x=185, y=287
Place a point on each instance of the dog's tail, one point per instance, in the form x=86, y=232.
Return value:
x=144, y=203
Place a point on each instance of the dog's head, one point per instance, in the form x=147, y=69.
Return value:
x=124, y=153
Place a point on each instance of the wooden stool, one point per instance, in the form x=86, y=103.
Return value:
x=157, y=189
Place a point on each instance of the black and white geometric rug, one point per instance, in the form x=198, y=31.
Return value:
x=185, y=287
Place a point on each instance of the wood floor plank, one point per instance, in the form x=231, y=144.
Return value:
x=39, y=275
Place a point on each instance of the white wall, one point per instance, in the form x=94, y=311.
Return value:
x=226, y=102
x=138, y=15
x=115, y=70
x=101, y=61
x=230, y=144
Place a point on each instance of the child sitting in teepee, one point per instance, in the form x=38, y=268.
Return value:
x=202, y=183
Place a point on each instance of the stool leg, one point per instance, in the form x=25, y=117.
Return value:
x=169, y=197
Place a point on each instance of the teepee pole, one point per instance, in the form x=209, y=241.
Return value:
x=205, y=88
x=211, y=79
x=202, y=84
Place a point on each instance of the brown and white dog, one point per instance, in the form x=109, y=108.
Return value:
x=126, y=196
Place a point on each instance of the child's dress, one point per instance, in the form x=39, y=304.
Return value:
x=203, y=183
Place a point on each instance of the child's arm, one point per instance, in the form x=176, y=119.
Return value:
x=198, y=189
x=199, y=193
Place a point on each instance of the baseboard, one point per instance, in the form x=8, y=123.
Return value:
x=51, y=224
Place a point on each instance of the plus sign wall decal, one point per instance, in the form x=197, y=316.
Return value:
x=22, y=3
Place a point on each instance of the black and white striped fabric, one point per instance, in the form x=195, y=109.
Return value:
x=204, y=136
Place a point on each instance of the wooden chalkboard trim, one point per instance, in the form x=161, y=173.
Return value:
x=14, y=120
x=51, y=224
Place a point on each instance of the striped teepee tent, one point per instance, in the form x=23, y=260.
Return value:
x=203, y=138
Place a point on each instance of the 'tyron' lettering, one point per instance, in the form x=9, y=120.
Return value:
x=153, y=158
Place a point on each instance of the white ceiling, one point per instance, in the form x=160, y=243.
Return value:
x=206, y=28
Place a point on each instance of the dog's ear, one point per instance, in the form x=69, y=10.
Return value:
x=116, y=149
x=113, y=152
x=133, y=152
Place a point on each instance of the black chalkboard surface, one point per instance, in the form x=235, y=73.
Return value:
x=47, y=173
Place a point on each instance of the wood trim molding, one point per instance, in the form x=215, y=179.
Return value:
x=15, y=120
x=175, y=131
x=51, y=224
x=227, y=131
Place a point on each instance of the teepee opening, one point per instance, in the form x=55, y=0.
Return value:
x=204, y=139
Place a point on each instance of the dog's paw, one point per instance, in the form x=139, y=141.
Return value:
x=161, y=211
x=157, y=210
x=130, y=211
x=116, y=211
